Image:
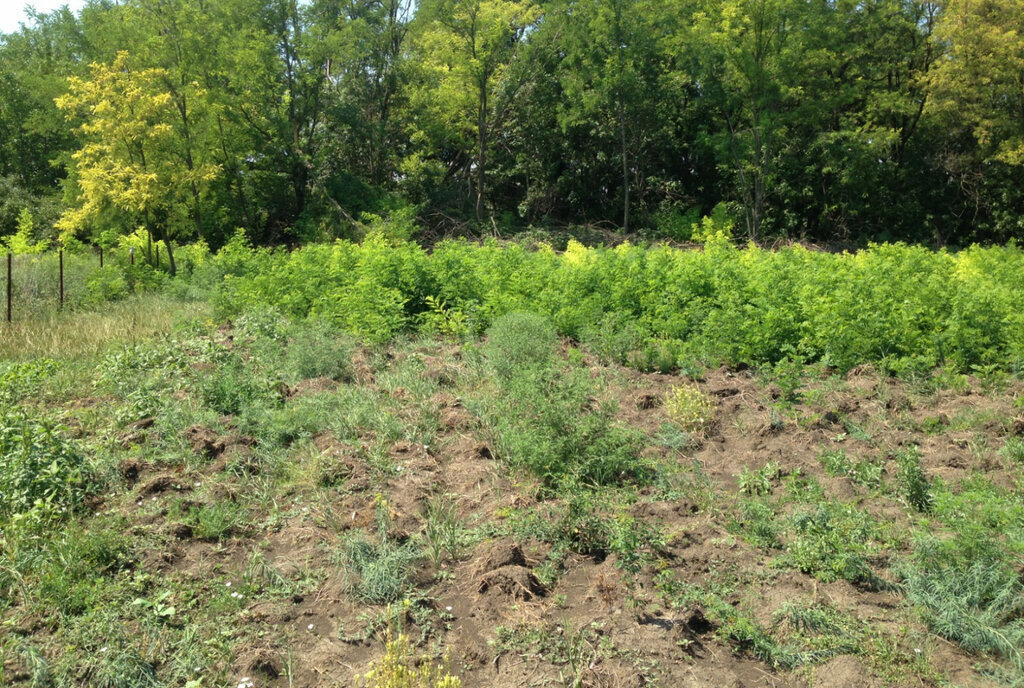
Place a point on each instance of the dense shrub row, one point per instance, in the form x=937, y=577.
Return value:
x=905, y=307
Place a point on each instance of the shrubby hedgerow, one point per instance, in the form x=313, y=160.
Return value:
x=907, y=308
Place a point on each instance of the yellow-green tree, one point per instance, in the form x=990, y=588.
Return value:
x=129, y=159
x=980, y=81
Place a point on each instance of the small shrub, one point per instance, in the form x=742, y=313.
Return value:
x=968, y=591
x=518, y=343
x=19, y=380
x=232, y=387
x=317, y=350
x=759, y=482
x=42, y=474
x=378, y=568
x=912, y=485
x=107, y=284
x=442, y=530
x=863, y=472
x=690, y=408
x=399, y=668
x=832, y=541
x=757, y=522
x=835, y=462
x=1014, y=450
x=218, y=520
x=544, y=418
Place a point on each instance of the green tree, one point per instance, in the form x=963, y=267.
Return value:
x=465, y=48
x=610, y=76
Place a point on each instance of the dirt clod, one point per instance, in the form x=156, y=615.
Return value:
x=161, y=484
x=310, y=387
x=205, y=442
x=647, y=400
x=500, y=554
x=518, y=582
x=131, y=470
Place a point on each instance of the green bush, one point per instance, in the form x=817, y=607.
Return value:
x=42, y=474
x=318, y=350
x=519, y=344
x=906, y=308
x=833, y=541
x=19, y=380
x=544, y=417
x=912, y=484
x=107, y=284
x=969, y=591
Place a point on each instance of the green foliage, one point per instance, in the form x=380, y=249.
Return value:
x=22, y=241
x=544, y=417
x=969, y=591
x=587, y=522
x=378, y=567
x=832, y=541
x=905, y=308
x=866, y=472
x=217, y=520
x=520, y=344
x=1014, y=449
x=19, y=380
x=42, y=474
x=758, y=523
x=443, y=532
x=911, y=483
x=107, y=284
x=799, y=634
x=759, y=482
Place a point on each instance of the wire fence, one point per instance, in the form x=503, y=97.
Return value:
x=58, y=280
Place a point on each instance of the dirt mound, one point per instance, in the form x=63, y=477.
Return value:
x=205, y=442
x=499, y=555
x=160, y=484
x=518, y=582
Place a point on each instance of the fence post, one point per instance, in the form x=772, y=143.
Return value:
x=101, y=256
x=131, y=255
x=60, y=260
x=8, y=286
x=158, y=254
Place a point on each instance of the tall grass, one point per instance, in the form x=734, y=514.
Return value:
x=76, y=333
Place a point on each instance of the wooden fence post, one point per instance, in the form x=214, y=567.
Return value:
x=9, y=286
x=60, y=259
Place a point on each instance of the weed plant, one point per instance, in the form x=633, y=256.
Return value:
x=400, y=668
x=377, y=567
x=905, y=308
x=912, y=484
x=968, y=589
x=544, y=417
x=43, y=475
x=689, y=408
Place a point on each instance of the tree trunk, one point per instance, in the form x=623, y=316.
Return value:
x=481, y=128
x=162, y=236
x=758, y=209
x=625, y=167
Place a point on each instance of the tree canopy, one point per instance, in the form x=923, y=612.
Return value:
x=820, y=120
